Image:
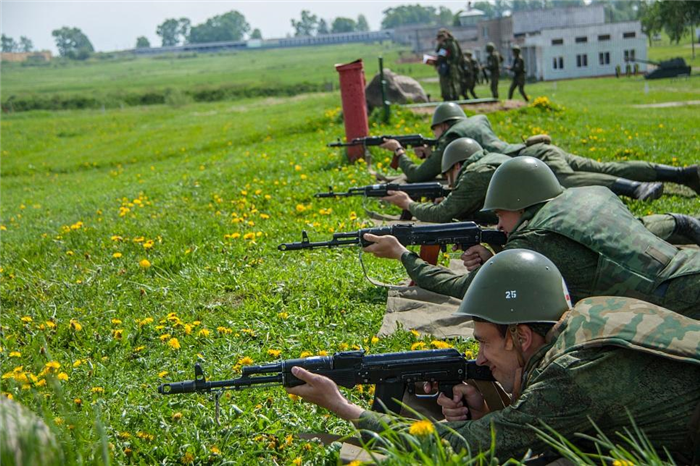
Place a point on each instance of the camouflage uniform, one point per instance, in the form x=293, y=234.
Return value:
x=448, y=64
x=607, y=356
x=493, y=64
x=467, y=198
x=599, y=248
x=470, y=69
x=432, y=166
x=518, y=70
x=581, y=171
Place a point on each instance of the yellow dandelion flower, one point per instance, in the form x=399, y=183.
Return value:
x=203, y=333
x=62, y=376
x=274, y=353
x=215, y=450
x=78, y=402
x=375, y=340
x=176, y=416
x=15, y=354
x=165, y=336
x=415, y=333
x=116, y=321
x=417, y=345
x=69, y=253
x=52, y=365
x=146, y=321
x=440, y=344
x=117, y=334
x=323, y=353
x=138, y=349
x=174, y=344
x=297, y=461
x=264, y=216
x=300, y=208
x=306, y=354
x=162, y=374
x=421, y=428
x=245, y=361
x=282, y=315
x=144, y=263
x=97, y=390
x=250, y=236
x=26, y=319
x=148, y=244
x=294, y=397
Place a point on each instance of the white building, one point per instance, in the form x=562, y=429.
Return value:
x=584, y=51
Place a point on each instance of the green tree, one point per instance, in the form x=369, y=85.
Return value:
x=650, y=18
x=488, y=9
x=256, y=34
x=322, y=28
x=616, y=11
x=341, y=24
x=230, y=26
x=445, y=17
x=8, y=44
x=72, y=43
x=173, y=31
x=306, y=26
x=676, y=16
x=408, y=14
x=25, y=44
x=142, y=43
x=362, y=25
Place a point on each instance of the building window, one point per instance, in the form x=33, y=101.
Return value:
x=629, y=55
x=557, y=41
x=629, y=35
x=604, y=58
x=581, y=60
x=485, y=32
x=558, y=63
x=603, y=37
x=581, y=40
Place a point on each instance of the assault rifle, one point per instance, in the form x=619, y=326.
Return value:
x=409, y=140
x=464, y=234
x=392, y=373
x=431, y=190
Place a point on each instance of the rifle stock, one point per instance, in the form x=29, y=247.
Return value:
x=430, y=190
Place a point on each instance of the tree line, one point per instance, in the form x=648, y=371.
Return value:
x=674, y=17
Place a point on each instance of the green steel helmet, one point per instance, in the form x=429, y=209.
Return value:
x=468, y=53
x=519, y=183
x=490, y=46
x=447, y=111
x=516, y=48
x=517, y=286
x=457, y=151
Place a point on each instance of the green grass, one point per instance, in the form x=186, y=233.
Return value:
x=186, y=175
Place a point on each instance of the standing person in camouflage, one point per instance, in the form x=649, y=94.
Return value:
x=449, y=58
x=470, y=70
x=598, y=246
x=579, y=170
x=518, y=70
x=493, y=64
x=608, y=360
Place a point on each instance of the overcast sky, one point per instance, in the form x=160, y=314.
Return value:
x=115, y=25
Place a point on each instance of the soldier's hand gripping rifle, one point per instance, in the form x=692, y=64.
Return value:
x=430, y=190
x=464, y=234
x=392, y=373
x=408, y=140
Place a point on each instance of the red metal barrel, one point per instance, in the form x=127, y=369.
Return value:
x=352, y=92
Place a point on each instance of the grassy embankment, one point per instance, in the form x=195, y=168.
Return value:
x=205, y=193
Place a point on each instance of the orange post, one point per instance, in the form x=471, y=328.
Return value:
x=352, y=93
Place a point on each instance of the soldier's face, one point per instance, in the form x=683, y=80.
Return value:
x=498, y=353
x=439, y=129
x=452, y=174
x=508, y=219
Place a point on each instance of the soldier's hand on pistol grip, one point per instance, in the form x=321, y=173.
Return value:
x=398, y=198
x=475, y=256
x=465, y=400
x=422, y=152
x=387, y=247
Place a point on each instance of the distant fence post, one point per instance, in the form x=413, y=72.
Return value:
x=352, y=93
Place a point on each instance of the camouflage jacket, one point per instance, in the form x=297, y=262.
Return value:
x=478, y=127
x=431, y=166
x=467, y=198
x=632, y=261
x=607, y=360
x=493, y=63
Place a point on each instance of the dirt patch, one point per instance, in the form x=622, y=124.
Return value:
x=669, y=104
x=486, y=107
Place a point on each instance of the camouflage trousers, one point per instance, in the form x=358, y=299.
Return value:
x=494, y=85
x=449, y=89
x=573, y=171
x=632, y=170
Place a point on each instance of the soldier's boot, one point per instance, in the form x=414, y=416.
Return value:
x=688, y=228
x=637, y=190
x=689, y=176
